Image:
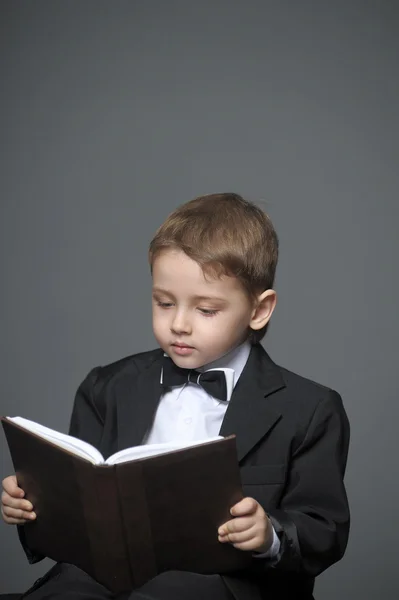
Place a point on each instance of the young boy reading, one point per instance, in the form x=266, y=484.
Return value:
x=213, y=264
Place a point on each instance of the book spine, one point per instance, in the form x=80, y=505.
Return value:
x=135, y=512
x=109, y=560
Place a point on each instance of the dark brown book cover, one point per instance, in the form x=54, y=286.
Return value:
x=123, y=524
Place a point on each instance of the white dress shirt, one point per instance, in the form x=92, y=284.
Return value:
x=188, y=413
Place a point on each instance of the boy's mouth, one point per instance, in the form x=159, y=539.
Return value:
x=182, y=349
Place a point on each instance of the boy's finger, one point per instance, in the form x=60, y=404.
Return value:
x=8, y=500
x=10, y=485
x=11, y=521
x=246, y=506
x=236, y=525
x=17, y=513
x=239, y=537
x=246, y=546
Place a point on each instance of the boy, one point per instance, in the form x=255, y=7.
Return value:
x=213, y=264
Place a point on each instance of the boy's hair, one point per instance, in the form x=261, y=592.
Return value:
x=225, y=235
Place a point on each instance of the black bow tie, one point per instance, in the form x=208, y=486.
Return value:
x=213, y=382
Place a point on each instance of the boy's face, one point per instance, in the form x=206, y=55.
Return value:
x=196, y=320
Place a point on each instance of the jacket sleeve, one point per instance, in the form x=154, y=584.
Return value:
x=87, y=424
x=312, y=520
x=87, y=419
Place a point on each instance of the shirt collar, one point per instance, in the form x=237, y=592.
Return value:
x=232, y=364
x=236, y=359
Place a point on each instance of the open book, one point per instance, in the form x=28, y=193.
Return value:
x=143, y=511
x=90, y=453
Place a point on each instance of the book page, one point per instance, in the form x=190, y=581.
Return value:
x=67, y=442
x=145, y=451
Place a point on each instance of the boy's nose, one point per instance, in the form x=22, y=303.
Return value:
x=181, y=324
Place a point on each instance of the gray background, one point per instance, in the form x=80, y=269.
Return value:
x=112, y=113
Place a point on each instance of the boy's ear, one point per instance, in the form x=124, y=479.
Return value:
x=263, y=309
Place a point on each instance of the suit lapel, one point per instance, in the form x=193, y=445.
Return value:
x=249, y=415
x=137, y=401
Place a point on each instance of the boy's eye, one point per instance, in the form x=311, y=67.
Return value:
x=208, y=312
x=164, y=304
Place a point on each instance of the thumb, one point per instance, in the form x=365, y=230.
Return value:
x=247, y=506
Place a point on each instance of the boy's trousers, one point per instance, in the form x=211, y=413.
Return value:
x=67, y=582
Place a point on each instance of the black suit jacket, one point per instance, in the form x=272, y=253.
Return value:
x=292, y=442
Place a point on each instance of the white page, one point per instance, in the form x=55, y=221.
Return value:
x=68, y=442
x=137, y=452
x=88, y=452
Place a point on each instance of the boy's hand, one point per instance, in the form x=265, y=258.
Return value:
x=14, y=509
x=250, y=529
